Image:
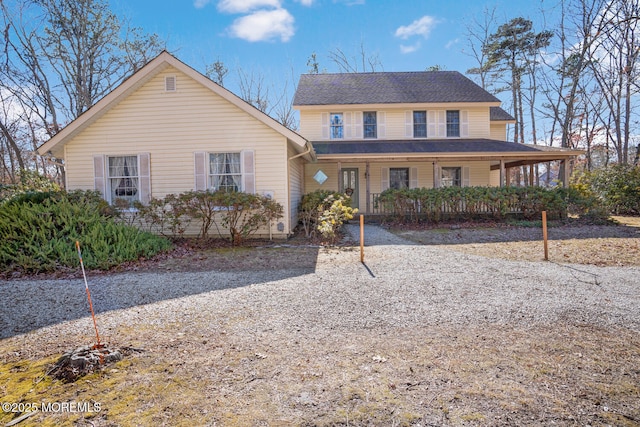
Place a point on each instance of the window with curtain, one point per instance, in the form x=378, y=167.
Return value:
x=337, y=126
x=398, y=178
x=225, y=172
x=123, y=179
x=453, y=123
x=419, y=124
x=451, y=177
x=370, y=125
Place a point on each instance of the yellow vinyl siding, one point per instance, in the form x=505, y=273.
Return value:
x=499, y=131
x=171, y=126
x=296, y=186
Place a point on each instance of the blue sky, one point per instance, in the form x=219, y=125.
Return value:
x=276, y=37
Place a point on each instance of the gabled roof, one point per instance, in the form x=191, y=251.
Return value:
x=389, y=88
x=142, y=76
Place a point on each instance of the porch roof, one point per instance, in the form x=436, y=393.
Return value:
x=431, y=146
x=476, y=149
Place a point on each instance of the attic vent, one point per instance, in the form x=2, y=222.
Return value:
x=170, y=83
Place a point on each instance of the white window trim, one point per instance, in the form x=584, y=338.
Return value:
x=375, y=125
x=108, y=178
x=331, y=127
x=210, y=175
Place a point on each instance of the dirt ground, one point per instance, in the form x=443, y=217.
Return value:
x=478, y=375
x=602, y=245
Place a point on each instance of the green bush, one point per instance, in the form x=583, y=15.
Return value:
x=243, y=214
x=311, y=208
x=29, y=181
x=38, y=232
x=434, y=204
x=167, y=217
x=332, y=218
x=240, y=214
x=616, y=188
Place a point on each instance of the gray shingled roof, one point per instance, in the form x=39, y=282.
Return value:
x=497, y=114
x=422, y=146
x=388, y=88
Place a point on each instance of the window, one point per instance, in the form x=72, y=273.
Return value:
x=123, y=179
x=451, y=177
x=453, y=123
x=398, y=178
x=369, y=120
x=225, y=172
x=419, y=124
x=337, y=126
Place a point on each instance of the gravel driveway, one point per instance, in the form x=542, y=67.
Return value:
x=400, y=285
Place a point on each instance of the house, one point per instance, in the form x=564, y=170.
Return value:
x=373, y=131
x=169, y=129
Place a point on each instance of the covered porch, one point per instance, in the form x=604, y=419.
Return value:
x=366, y=169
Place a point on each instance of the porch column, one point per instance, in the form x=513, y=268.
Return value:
x=566, y=163
x=507, y=177
x=436, y=175
x=340, y=186
x=502, y=173
x=531, y=172
x=368, y=191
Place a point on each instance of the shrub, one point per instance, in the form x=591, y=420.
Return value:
x=29, y=182
x=38, y=233
x=240, y=214
x=332, y=218
x=167, y=217
x=432, y=204
x=243, y=213
x=617, y=188
x=311, y=208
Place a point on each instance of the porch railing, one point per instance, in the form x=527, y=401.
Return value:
x=378, y=208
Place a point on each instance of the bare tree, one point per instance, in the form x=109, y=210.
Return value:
x=59, y=57
x=217, y=72
x=478, y=33
x=615, y=64
x=359, y=62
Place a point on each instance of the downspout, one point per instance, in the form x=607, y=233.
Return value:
x=309, y=148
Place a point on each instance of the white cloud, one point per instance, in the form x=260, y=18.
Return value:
x=306, y=2
x=264, y=25
x=244, y=6
x=199, y=4
x=452, y=43
x=421, y=27
x=409, y=49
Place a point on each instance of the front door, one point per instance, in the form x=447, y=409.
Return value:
x=350, y=185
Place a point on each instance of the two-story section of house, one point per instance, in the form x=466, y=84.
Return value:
x=373, y=131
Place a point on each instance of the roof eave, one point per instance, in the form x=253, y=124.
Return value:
x=158, y=64
x=480, y=155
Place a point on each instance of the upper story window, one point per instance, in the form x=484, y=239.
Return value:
x=419, y=124
x=123, y=178
x=453, y=123
x=451, y=176
x=225, y=172
x=337, y=126
x=370, y=124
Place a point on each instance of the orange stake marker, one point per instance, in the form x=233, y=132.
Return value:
x=86, y=285
x=361, y=238
x=544, y=235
